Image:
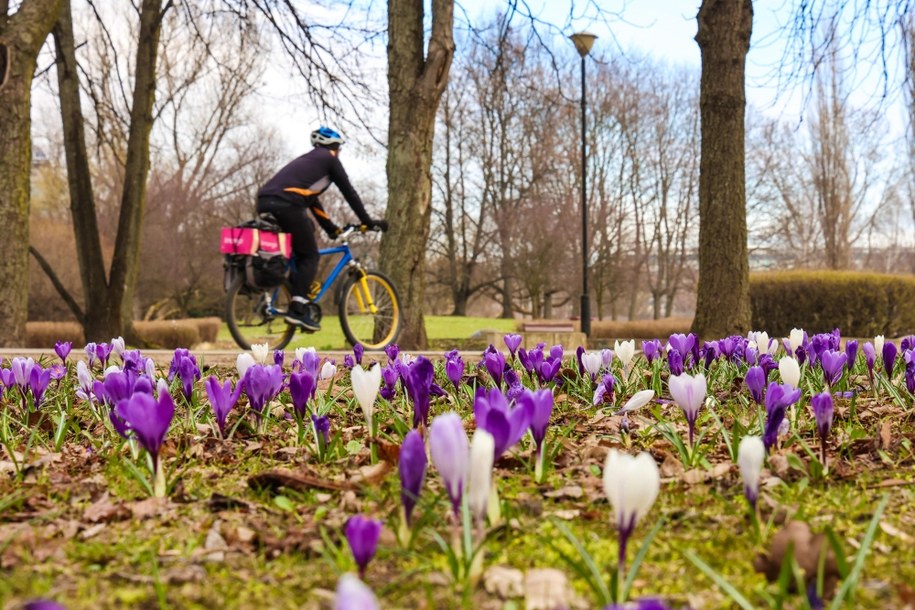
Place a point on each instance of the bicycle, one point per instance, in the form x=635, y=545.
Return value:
x=367, y=302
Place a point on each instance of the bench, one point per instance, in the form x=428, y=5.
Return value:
x=560, y=332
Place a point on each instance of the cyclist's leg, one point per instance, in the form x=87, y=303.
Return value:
x=294, y=220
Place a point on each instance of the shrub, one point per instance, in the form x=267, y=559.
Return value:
x=43, y=335
x=639, y=329
x=859, y=304
x=168, y=334
x=208, y=328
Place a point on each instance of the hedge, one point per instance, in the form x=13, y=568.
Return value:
x=859, y=304
x=639, y=329
x=158, y=334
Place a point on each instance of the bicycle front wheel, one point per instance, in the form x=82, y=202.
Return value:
x=370, y=311
x=256, y=316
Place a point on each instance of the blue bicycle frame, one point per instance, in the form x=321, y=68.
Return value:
x=345, y=261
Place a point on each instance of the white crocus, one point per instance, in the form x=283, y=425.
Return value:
x=260, y=352
x=111, y=369
x=84, y=377
x=365, y=388
x=482, y=453
x=592, y=361
x=795, y=339
x=878, y=344
x=638, y=400
x=330, y=369
x=118, y=346
x=151, y=369
x=689, y=393
x=243, y=363
x=790, y=371
x=624, y=351
x=751, y=453
x=353, y=594
x=632, y=485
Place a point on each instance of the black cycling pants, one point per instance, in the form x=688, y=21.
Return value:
x=294, y=219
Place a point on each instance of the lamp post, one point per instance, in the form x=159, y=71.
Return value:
x=583, y=42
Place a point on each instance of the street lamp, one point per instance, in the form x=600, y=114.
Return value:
x=583, y=42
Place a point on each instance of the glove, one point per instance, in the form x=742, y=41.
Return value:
x=380, y=225
x=332, y=231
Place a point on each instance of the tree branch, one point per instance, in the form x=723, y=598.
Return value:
x=58, y=285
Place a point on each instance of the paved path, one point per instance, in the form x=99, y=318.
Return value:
x=208, y=357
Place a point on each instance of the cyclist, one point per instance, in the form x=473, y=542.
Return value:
x=291, y=193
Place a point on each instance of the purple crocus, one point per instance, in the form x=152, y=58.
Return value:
x=493, y=414
x=302, y=387
x=417, y=380
x=684, y=345
x=412, y=469
x=39, y=379
x=778, y=398
x=870, y=357
x=851, y=353
x=392, y=351
x=512, y=342
x=189, y=373
x=389, y=377
x=58, y=372
x=822, y=412
x=362, y=534
x=261, y=385
x=494, y=360
x=604, y=390
x=889, y=358
x=548, y=369
x=321, y=424
x=103, y=353
x=358, y=351
x=90, y=354
x=833, y=364
x=22, y=372
x=43, y=604
x=454, y=369
x=222, y=399
x=756, y=381
x=579, y=352
x=450, y=451
x=539, y=406
x=148, y=420
x=279, y=357
x=651, y=349
x=909, y=357
x=675, y=362
x=62, y=349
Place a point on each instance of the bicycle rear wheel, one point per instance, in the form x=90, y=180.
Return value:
x=370, y=311
x=256, y=316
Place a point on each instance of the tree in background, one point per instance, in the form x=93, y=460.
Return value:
x=22, y=33
x=723, y=300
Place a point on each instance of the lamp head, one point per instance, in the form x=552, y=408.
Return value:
x=583, y=42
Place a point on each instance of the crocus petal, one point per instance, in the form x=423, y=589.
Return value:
x=243, y=362
x=450, y=453
x=353, y=594
x=751, y=453
x=638, y=400
x=631, y=484
x=412, y=469
x=790, y=371
x=689, y=393
x=365, y=387
x=482, y=449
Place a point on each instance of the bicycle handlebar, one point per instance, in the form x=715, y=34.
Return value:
x=347, y=230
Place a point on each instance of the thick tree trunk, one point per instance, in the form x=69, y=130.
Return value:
x=723, y=302
x=416, y=83
x=109, y=299
x=21, y=36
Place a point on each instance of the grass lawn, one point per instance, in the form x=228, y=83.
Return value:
x=444, y=332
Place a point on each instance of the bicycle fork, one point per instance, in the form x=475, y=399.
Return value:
x=364, y=295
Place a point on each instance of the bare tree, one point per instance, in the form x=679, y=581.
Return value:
x=22, y=33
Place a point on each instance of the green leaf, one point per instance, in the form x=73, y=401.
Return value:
x=597, y=579
x=849, y=584
x=284, y=503
x=719, y=580
x=353, y=447
x=639, y=557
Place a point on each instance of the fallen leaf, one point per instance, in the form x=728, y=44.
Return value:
x=372, y=474
x=274, y=479
x=150, y=507
x=797, y=537
x=886, y=434
x=93, y=531
x=570, y=491
x=567, y=514
x=104, y=510
x=896, y=533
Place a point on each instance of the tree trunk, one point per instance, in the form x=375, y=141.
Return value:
x=416, y=83
x=723, y=301
x=109, y=300
x=21, y=37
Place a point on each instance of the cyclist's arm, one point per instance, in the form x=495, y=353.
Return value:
x=339, y=177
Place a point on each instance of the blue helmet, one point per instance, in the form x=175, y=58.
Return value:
x=325, y=136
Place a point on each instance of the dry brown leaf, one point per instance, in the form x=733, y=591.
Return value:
x=150, y=507
x=301, y=481
x=372, y=475
x=503, y=581
x=104, y=510
x=570, y=491
x=886, y=435
x=545, y=589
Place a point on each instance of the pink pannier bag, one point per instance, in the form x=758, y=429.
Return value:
x=247, y=241
x=276, y=242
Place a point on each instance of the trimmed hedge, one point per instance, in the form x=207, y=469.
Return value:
x=639, y=329
x=158, y=334
x=859, y=304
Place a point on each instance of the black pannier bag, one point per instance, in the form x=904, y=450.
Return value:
x=259, y=250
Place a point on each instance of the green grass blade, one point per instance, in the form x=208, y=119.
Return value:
x=851, y=582
x=588, y=561
x=639, y=557
x=719, y=580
